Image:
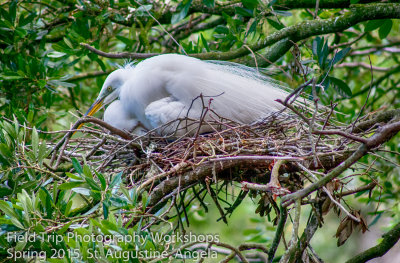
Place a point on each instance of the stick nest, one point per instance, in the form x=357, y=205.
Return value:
x=150, y=157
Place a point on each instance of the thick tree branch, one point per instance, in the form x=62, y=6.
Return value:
x=300, y=31
x=389, y=240
x=381, y=136
x=379, y=118
x=296, y=4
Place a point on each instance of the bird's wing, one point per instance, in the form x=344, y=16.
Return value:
x=165, y=111
x=172, y=117
x=236, y=94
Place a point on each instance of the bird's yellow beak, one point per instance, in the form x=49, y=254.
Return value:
x=93, y=109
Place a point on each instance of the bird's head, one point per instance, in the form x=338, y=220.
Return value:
x=110, y=90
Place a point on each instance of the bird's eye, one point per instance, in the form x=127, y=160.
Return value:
x=109, y=88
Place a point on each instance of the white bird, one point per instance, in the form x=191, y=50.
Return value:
x=116, y=116
x=164, y=88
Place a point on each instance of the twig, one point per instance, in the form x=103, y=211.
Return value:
x=278, y=234
x=385, y=134
x=158, y=22
x=330, y=196
x=362, y=65
x=256, y=157
x=341, y=133
x=295, y=233
x=369, y=186
x=366, y=100
x=215, y=199
x=121, y=55
x=305, y=119
x=298, y=90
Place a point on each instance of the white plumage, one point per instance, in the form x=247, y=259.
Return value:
x=164, y=88
x=116, y=116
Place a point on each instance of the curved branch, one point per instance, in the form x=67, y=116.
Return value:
x=389, y=73
x=119, y=55
x=89, y=75
x=362, y=65
x=295, y=33
x=296, y=4
x=383, y=117
x=384, y=135
x=278, y=233
x=389, y=240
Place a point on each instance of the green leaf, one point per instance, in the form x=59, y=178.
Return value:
x=92, y=183
x=69, y=44
x=43, y=152
x=323, y=55
x=271, y=3
x=316, y=46
x=275, y=24
x=220, y=29
x=56, y=54
x=10, y=76
x=35, y=142
x=243, y=11
x=373, y=24
x=73, y=176
x=101, y=64
x=102, y=180
x=116, y=180
x=209, y=3
x=340, y=55
x=143, y=9
x=77, y=166
x=7, y=209
x=182, y=14
x=252, y=28
x=204, y=41
x=250, y=4
x=4, y=191
x=64, y=228
x=21, y=32
x=87, y=172
x=341, y=86
x=105, y=210
x=23, y=21
x=93, y=209
x=354, y=1
x=17, y=223
x=282, y=13
x=81, y=190
x=13, y=11
x=68, y=207
x=385, y=29
x=70, y=185
x=57, y=83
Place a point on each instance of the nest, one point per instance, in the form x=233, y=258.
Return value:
x=233, y=152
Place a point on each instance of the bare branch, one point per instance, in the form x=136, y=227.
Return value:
x=385, y=134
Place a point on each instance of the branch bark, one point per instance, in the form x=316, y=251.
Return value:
x=383, y=135
x=389, y=240
x=295, y=33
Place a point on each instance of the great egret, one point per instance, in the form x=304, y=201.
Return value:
x=116, y=116
x=164, y=88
